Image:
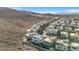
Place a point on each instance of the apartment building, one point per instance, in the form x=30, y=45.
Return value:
x=61, y=45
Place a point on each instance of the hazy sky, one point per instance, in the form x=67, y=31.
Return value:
x=49, y=9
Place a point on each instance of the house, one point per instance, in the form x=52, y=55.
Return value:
x=28, y=36
x=68, y=28
x=61, y=45
x=74, y=35
x=74, y=46
x=64, y=34
x=50, y=39
x=77, y=29
x=37, y=38
x=51, y=31
x=33, y=30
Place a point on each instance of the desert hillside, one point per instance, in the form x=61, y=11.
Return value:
x=13, y=25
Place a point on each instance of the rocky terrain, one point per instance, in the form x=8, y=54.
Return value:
x=13, y=25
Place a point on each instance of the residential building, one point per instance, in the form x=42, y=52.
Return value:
x=74, y=35
x=74, y=46
x=68, y=28
x=64, y=34
x=50, y=39
x=51, y=31
x=61, y=45
x=37, y=38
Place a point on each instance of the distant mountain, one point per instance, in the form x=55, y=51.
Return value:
x=67, y=13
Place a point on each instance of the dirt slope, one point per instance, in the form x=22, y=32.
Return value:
x=13, y=25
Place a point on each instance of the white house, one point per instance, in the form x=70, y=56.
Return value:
x=74, y=46
x=72, y=35
x=61, y=45
x=37, y=38
x=33, y=30
x=50, y=30
x=76, y=29
x=64, y=34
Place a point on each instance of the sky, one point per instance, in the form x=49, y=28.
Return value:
x=52, y=10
